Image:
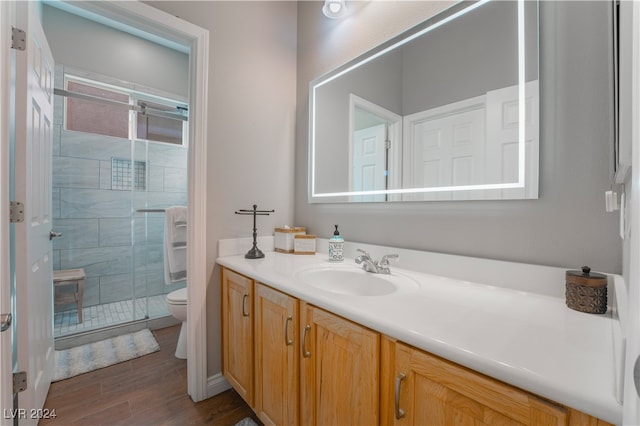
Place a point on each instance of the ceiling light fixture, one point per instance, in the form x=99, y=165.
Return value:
x=334, y=9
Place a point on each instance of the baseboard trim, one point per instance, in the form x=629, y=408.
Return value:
x=217, y=384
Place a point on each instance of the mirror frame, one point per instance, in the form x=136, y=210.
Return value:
x=449, y=14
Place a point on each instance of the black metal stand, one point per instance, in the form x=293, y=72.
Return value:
x=255, y=252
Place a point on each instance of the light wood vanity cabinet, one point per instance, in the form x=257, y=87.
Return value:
x=312, y=367
x=260, y=347
x=423, y=389
x=237, y=332
x=339, y=370
x=326, y=374
x=276, y=356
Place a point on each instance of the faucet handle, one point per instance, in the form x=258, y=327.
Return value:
x=385, y=259
x=366, y=253
x=383, y=264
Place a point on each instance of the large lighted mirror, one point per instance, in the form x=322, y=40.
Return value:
x=446, y=111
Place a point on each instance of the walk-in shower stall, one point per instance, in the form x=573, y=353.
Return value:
x=119, y=159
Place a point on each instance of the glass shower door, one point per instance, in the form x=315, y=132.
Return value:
x=162, y=173
x=110, y=190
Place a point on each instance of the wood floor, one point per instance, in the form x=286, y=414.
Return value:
x=150, y=390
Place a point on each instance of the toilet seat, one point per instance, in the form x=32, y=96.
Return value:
x=178, y=297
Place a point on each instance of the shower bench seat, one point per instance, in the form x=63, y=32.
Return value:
x=69, y=277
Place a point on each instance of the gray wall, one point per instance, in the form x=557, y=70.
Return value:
x=567, y=226
x=380, y=82
x=482, y=43
x=86, y=45
x=251, y=125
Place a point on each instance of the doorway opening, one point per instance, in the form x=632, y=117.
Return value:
x=375, y=150
x=120, y=153
x=195, y=41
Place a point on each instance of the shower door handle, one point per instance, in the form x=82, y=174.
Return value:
x=54, y=234
x=5, y=322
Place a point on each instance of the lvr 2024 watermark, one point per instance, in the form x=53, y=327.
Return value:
x=24, y=413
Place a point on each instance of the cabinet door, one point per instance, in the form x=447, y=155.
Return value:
x=426, y=389
x=276, y=325
x=237, y=333
x=339, y=377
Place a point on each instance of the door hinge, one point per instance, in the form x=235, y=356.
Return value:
x=16, y=212
x=18, y=39
x=5, y=322
x=19, y=381
x=387, y=144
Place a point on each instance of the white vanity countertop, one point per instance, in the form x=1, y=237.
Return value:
x=530, y=340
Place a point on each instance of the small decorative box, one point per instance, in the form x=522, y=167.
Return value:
x=304, y=244
x=283, y=241
x=586, y=291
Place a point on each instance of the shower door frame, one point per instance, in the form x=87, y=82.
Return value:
x=154, y=21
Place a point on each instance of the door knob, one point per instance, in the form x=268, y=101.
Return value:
x=53, y=235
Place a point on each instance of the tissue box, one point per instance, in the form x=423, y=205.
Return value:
x=283, y=241
x=304, y=244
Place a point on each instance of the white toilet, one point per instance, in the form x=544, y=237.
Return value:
x=177, y=302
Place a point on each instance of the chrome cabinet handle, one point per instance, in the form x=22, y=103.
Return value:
x=244, y=304
x=287, y=341
x=399, y=411
x=305, y=353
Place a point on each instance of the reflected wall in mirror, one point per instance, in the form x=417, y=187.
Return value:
x=446, y=111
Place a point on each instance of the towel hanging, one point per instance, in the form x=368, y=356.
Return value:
x=175, y=243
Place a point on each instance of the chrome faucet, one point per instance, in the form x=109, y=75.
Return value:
x=374, y=266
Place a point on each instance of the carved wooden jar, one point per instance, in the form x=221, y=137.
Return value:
x=586, y=291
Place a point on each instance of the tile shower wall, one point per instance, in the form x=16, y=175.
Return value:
x=98, y=230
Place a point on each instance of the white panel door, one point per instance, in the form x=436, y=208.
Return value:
x=502, y=140
x=369, y=162
x=33, y=254
x=444, y=147
x=6, y=349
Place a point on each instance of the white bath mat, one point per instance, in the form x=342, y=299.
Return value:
x=248, y=421
x=82, y=359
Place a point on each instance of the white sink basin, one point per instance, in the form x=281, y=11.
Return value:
x=351, y=280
